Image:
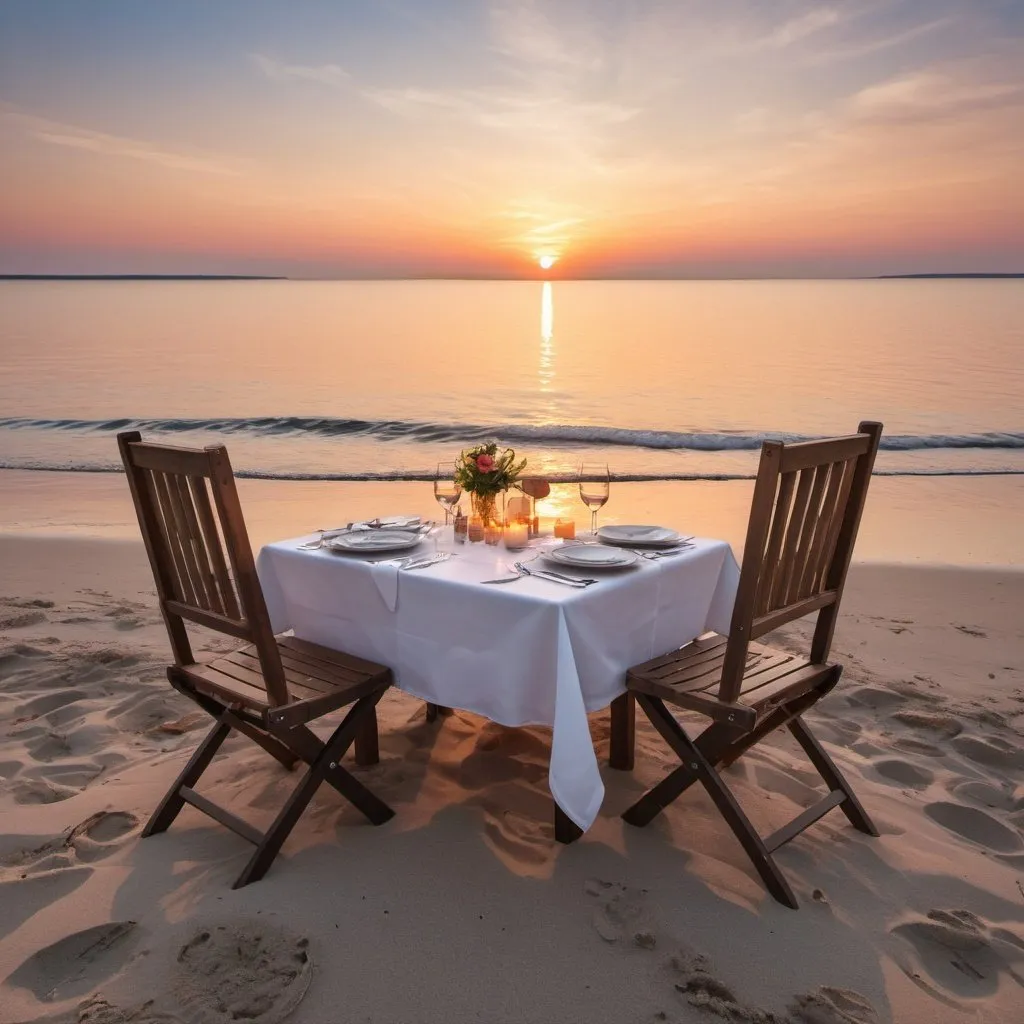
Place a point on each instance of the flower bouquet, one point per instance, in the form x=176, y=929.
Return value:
x=485, y=473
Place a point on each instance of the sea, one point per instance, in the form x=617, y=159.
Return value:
x=383, y=380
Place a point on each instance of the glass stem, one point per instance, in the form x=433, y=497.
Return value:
x=593, y=522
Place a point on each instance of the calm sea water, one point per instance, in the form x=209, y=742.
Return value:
x=384, y=379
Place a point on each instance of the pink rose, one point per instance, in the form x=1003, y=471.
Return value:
x=484, y=463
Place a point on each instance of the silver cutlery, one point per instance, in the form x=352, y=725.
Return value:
x=426, y=563
x=553, y=577
x=653, y=556
x=506, y=579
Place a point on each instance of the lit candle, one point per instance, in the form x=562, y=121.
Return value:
x=475, y=529
x=517, y=535
x=565, y=528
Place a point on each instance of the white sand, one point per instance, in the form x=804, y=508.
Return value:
x=462, y=908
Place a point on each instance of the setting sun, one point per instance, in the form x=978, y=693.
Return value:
x=547, y=262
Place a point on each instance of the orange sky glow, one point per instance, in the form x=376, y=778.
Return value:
x=456, y=139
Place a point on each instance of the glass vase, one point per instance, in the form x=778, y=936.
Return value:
x=489, y=511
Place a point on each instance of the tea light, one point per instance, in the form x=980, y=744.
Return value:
x=517, y=535
x=492, y=533
x=475, y=529
x=565, y=528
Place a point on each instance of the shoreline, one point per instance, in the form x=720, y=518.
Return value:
x=957, y=521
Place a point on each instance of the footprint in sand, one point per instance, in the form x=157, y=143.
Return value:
x=245, y=970
x=875, y=697
x=974, y=825
x=18, y=659
x=904, y=773
x=956, y=955
x=990, y=751
x=828, y=1005
x=989, y=795
x=76, y=964
x=22, y=620
x=96, y=1010
x=621, y=914
x=93, y=839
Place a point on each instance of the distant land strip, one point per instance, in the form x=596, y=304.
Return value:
x=140, y=277
x=896, y=277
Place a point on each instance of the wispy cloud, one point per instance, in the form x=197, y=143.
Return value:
x=502, y=109
x=58, y=133
x=887, y=42
x=325, y=74
x=526, y=34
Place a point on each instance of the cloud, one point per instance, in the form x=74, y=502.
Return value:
x=524, y=33
x=325, y=74
x=796, y=29
x=491, y=108
x=936, y=94
x=884, y=43
x=57, y=133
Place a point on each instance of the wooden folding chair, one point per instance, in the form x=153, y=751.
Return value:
x=268, y=690
x=806, y=510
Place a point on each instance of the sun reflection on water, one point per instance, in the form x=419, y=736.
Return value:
x=547, y=348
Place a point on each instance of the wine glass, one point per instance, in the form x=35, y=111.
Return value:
x=446, y=489
x=595, y=485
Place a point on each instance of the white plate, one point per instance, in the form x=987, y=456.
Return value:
x=591, y=556
x=373, y=540
x=640, y=536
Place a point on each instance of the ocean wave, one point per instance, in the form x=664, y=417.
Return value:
x=426, y=476
x=553, y=434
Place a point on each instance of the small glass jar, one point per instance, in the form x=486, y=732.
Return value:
x=461, y=528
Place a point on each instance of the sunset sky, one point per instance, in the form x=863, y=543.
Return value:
x=642, y=138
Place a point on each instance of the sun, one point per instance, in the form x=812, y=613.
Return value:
x=547, y=261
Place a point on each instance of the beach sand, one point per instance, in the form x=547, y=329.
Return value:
x=463, y=908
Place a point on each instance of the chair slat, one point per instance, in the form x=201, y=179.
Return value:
x=202, y=554
x=794, y=528
x=811, y=521
x=771, y=558
x=827, y=553
x=188, y=552
x=226, y=590
x=173, y=542
x=811, y=583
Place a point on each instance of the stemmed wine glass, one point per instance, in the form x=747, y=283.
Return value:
x=446, y=490
x=595, y=486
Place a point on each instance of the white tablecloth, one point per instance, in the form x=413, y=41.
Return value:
x=525, y=653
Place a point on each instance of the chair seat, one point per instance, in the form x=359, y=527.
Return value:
x=690, y=677
x=319, y=677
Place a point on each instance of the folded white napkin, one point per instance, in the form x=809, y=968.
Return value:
x=385, y=576
x=388, y=523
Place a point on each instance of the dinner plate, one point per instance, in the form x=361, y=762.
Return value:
x=591, y=556
x=359, y=541
x=639, y=536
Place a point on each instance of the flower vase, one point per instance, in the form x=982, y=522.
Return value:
x=489, y=509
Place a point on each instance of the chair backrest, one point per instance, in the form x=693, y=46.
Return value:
x=199, y=551
x=804, y=518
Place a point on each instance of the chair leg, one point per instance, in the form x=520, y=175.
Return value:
x=698, y=767
x=833, y=777
x=172, y=803
x=711, y=742
x=323, y=759
x=329, y=755
x=367, y=744
x=623, y=733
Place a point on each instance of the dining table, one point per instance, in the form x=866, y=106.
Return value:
x=529, y=651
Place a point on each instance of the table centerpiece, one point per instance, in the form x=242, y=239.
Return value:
x=487, y=473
